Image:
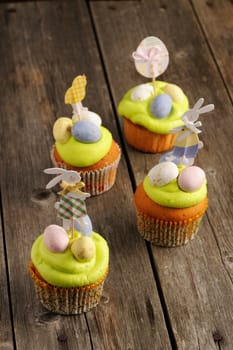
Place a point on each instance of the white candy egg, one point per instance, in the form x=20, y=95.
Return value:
x=191, y=178
x=90, y=116
x=61, y=129
x=163, y=173
x=56, y=239
x=175, y=92
x=142, y=92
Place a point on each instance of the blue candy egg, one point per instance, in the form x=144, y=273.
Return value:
x=161, y=106
x=84, y=225
x=86, y=131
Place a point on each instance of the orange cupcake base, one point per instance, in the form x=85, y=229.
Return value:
x=99, y=177
x=167, y=227
x=146, y=141
x=66, y=301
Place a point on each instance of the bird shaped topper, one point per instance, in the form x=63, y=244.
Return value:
x=76, y=93
x=71, y=206
x=187, y=142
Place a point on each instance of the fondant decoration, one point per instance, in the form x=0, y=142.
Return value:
x=83, y=248
x=187, y=143
x=84, y=225
x=151, y=57
x=163, y=173
x=142, y=92
x=62, y=129
x=191, y=178
x=86, y=131
x=72, y=201
x=175, y=92
x=161, y=106
x=89, y=116
x=76, y=93
x=56, y=239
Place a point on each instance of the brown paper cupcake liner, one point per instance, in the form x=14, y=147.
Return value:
x=145, y=140
x=67, y=301
x=167, y=233
x=96, y=181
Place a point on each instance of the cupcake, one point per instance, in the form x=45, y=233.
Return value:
x=172, y=199
x=84, y=145
x=151, y=111
x=69, y=263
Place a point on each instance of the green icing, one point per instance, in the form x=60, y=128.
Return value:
x=138, y=112
x=63, y=270
x=81, y=154
x=172, y=196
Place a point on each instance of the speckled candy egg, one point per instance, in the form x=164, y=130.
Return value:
x=163, y=173
x=84, y=225
x=83, y=248
x=62, y=129
x=142, y=92
x=161, y=106
x=175, y=92
x=56, y=239
x=191, y=178
x=86, y=131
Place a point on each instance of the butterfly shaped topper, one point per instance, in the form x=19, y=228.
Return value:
x=77, y=91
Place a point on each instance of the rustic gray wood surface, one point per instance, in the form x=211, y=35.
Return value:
x=154, y=298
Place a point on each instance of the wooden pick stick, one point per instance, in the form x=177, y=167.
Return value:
x=154, y=86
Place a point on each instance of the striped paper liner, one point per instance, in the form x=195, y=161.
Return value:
x=167, y=233
x=67, y=301
x=96, y=181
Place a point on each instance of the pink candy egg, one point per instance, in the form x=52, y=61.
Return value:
x=191, y=178
x=56, y=239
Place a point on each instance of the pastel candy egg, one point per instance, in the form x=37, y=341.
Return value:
x=161, y=106
x=175, y=92
x=61, y=129
x=83, y=248
x=163, y=173
x=84, y=225
x=56, y=239
x=142, y=92
x=191, y=178
x=86, y=131
x=88, y=115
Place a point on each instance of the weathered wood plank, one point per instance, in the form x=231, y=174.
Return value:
x=196, y=280
x=55, y=43
x=216, y=21
x=6, y=338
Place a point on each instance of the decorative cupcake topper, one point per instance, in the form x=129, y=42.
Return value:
x=187, y=143
x=151, y=58
x=71, y=207
x=76, y=93
x=84, y=125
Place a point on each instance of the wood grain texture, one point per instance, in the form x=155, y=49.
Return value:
x=6, y=337
x=44, y=46
x=196, y=280
x=216, y=19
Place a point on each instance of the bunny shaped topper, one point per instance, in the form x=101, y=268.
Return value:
x=71, y=208
x=187, y=143
x=70, y=176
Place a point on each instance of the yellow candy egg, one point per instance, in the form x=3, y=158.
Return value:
x=83, y=248
x=175, y=92
x=62, y=129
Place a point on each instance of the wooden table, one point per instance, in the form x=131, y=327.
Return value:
x=154, y=298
